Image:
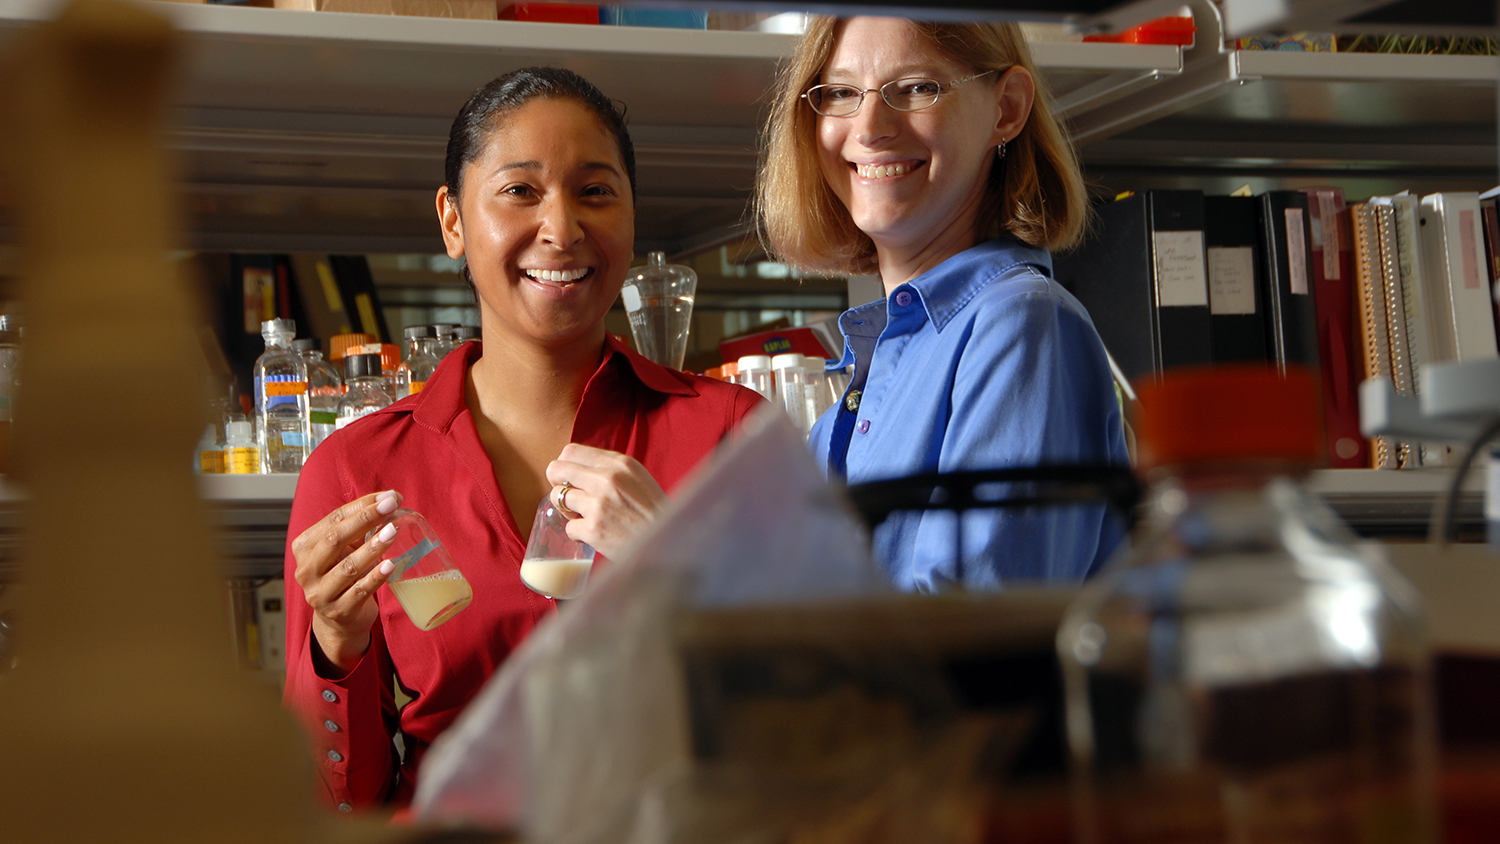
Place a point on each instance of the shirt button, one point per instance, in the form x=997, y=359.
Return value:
x=332, y=727
x=864, y=426
x=330, y=696
x=335, y=756
x=851, y=401
x=903, y=298
x=345, y=808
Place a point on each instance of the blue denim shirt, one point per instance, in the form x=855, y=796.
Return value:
x=983, y=362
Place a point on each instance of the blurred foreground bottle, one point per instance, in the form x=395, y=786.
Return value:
x=282, y=423
x=1245, y=673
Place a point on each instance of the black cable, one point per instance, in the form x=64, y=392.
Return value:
x=1444, y=517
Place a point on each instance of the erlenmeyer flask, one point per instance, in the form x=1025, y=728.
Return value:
x=659, y=299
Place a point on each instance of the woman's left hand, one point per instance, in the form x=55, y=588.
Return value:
x=611, y=497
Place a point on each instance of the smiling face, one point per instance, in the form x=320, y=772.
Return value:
x=912, y=181
x=546, y=223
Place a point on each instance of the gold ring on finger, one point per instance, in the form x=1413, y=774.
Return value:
x=562, y=500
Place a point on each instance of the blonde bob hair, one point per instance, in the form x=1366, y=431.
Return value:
x=1036, y=193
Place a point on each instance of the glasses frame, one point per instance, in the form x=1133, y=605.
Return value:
x=942, y=89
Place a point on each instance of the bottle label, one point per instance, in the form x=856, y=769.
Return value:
x=242, y=461
x=286, y=388
x=293, y=439
x=323, y=417
x=211, y=462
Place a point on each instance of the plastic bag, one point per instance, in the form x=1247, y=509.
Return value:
x=562, y=738
x=746, y=674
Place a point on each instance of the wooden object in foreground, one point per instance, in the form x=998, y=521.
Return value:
x=126, y=719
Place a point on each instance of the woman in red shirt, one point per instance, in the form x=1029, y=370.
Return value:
x=539, y=201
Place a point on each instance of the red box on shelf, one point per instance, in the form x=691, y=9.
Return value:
x=586, y=13
x=1173, y=30
x=802, y=341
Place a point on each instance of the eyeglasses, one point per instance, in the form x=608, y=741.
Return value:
x=913, y=93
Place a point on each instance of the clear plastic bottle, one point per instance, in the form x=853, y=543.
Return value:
x=755, y=373
x=658, y=298
x=790, y=394
x=208, y=457
x=241, y=454
x=421, y=360
x=281, y=404
x=1245, y=673
x=815, y=385
x=325, y=386
x=364, y=388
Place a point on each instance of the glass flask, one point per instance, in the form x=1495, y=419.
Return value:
x=555, y=565
x=324, y=389
x=425, y=580
x=364, y=389
x=421, y=360
x=659, y=300
x=281, y=402
x=1245, y=673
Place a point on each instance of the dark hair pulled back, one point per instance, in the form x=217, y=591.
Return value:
x=510, y=92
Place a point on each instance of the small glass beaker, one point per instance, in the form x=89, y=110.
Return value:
x=429, y=586
x=555, y=565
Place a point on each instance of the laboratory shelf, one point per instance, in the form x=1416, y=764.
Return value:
x=326, y=132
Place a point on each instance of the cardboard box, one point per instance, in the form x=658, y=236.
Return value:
x=465, y=9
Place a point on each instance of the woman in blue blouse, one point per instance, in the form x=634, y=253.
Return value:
x=924, y=152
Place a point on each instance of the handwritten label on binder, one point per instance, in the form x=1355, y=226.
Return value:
x=1180, y=276
x=1329, y=213
x=1231, y=279
x=1296, y=250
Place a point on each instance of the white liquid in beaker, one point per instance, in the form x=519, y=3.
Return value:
x=556, y=578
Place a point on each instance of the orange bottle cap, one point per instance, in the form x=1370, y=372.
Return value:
x=338, y=344
x=1232, y=412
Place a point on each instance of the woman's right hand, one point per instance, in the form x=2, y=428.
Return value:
x=339, y=573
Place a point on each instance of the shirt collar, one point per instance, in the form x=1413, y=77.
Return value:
x=945, y=289
x=441, y=400
x=651, y=375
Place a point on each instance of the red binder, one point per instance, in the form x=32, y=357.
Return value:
x=1338, y=339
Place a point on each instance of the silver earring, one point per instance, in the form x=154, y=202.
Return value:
x=1002, y=149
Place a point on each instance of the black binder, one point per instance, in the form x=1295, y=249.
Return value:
x=1291, y=309
x=1142, y=276
x=1235, y=278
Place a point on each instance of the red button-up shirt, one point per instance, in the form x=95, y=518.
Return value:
x=427, y=448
